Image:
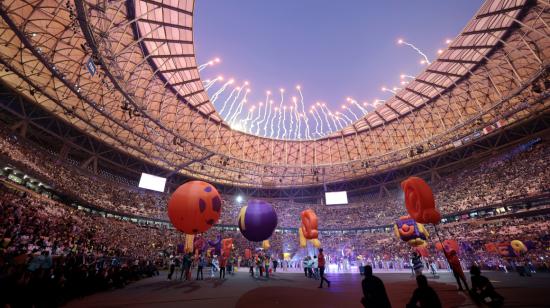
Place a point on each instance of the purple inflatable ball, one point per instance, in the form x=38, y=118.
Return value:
x=257, y=220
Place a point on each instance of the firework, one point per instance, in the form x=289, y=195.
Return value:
x=403, y=42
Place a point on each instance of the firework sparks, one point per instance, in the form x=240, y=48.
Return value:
x=403, y=42
x=209, y=63
x=220, y=91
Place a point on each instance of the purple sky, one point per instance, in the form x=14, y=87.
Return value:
x=333, y=49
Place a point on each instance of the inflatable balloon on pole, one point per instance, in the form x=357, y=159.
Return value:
x=227, y=245
x=257, y=221
x=194, y=207
x=518, y=247
x=216, y=245
x=408, y=230
x=309, y=229
x=447, y=245
x=419, y=201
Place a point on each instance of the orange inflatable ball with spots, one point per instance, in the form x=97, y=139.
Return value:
x=194, y=207
x=419, y=201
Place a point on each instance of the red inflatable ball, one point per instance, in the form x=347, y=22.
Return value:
x=309, y=224
x=194, y=207
x=419, y=201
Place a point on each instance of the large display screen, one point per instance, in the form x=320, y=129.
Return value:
x=152, y=182
x=336, y=197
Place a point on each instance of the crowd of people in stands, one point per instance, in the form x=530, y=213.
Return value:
x=514, y=174
x=56, y=252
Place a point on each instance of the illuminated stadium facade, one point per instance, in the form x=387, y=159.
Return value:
x=118, y=82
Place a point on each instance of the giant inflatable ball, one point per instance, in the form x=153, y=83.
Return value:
x=257, y=220
x=194, y=207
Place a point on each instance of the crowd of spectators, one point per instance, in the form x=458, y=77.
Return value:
x=56, y=253
x=514, y=174
x=66, y=177
x=509, y=176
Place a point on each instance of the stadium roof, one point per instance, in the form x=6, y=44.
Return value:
x=125, y=72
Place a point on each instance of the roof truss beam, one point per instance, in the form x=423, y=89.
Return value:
x=186, y=55
x=178, y=69
x=498, y=12
x=167, y=6
x=444, y=73
x=185, y=82
x=165, y=24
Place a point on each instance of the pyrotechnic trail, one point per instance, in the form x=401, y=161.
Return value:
x=268, y=109
x=403, y=76
x=347, y=118
x=284, y=122
x=403, y=42
x=280, y=109
x=249, y=115
x=351, y=111
x=207, y=64
x=318, y=114
x=235, y=99
x=384, y=89
x=235, y=90
x=378, y=102
x=228, y=98
x=217, y=94
x=337, y=124
x=257, y=120
x=316, y=109
x=316, y=122
x=333, y=116
x=346, y=108
x=212, y=82
x=291, y=115
x=296, y=114
x=279, y=122
x=304, y=114
x=326, y=115
x=341, y=121
x=239, y=108
x=254, y=121
x=275, y=113
x=354, y=102
x=298, y=131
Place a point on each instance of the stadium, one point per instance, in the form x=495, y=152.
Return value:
x=128, y=166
